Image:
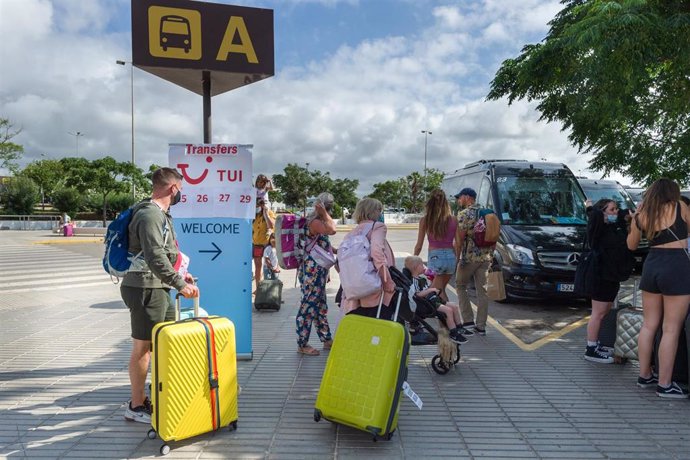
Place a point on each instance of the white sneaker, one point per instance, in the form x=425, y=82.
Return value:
x=141, y=414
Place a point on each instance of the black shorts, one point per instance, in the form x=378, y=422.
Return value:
x=666, y=271
x=147, y=307
x=605, y=290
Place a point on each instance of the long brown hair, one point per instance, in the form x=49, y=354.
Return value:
x=657, y=196
x=437, y=214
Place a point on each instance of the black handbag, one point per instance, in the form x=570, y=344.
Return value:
x=586, y=273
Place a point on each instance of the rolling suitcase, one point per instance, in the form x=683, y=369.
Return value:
x=269, y=295
x=680, y=366
x=629, y=324
x=194, y=377
x=607, y=331
x=364, y=376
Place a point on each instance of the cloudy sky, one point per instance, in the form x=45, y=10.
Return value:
x=356, y=82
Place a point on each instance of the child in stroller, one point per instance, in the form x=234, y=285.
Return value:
x=449, y=312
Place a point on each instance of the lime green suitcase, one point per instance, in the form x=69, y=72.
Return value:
x=364, y=375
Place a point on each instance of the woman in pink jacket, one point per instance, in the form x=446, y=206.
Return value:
x=368, y=214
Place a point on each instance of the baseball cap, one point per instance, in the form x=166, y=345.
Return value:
x=466, y=191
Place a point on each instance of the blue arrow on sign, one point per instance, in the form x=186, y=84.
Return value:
x=217, y=251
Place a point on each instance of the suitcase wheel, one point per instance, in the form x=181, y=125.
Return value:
x=165, y=449
x=151, y=434
x=317, y=415
x=233, y=426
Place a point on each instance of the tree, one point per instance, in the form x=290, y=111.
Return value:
x=76, y=173
x=434, y=178
x=295, y=185
x=67, y=200
x=343, y=191
x=415, y=185
x=9, y=151
x=47, y=174
x=392, y=193
x=108, y=176
x=615, y=74
x=20, y=196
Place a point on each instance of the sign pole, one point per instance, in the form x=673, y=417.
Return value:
x=206, y=80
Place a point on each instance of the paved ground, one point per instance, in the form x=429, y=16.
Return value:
x=63, y=384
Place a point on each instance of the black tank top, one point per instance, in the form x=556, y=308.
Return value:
x=679, y=228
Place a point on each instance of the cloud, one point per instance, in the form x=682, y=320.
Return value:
x=356, y=113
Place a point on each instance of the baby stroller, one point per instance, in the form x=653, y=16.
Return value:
x=416, y=316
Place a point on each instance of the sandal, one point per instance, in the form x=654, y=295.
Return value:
x=328, y=344
x=308, y=350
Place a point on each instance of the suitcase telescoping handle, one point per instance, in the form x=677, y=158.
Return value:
x=399, y=291
x=178, y=304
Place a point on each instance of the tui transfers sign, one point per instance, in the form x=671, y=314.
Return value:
x=178, y=39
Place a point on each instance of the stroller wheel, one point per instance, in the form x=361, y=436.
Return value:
x=457, y=356
x=439, y=366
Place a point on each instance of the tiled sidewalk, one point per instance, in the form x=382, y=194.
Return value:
x=63, y=385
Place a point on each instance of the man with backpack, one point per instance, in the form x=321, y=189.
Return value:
x=475, y=253
x=145, y=288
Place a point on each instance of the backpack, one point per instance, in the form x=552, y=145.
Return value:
x=358, y=276
x=291, y=234
x=117, y=258
x=487, y=228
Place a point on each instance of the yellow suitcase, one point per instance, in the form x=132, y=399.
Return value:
x=193, y=391
x=364, y=375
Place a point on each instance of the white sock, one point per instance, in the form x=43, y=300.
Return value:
x=592, y=344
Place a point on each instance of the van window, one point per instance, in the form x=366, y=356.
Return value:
x=484, y=194
x=452, y=185
x=613, y=192
x=540, y=200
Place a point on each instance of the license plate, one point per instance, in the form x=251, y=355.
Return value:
x=565, y=287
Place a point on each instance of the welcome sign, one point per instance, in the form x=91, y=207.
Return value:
x=213, y=225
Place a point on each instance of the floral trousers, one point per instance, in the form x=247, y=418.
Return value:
x=313, y=307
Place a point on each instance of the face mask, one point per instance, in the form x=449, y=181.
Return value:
x=258, y=210
x=611, y=218
x=176, y=198
x=380, y=219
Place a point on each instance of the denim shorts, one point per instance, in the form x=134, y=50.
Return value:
x=442, y=261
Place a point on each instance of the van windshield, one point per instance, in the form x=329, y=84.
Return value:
x=615, y=193
x=540, y=200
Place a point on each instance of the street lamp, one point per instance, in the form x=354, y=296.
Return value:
x=131, y=94
x=77, y=135
x=426, y=136
x=305, y=193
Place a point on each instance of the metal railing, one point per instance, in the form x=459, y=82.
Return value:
x=30, y=222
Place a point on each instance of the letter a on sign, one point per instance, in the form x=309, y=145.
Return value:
x=236, y=24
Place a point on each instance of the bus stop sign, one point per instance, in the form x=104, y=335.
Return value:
x=179, y=39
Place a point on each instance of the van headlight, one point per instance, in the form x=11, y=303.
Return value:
x=520, y=255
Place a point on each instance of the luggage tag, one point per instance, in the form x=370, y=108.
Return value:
x=412, y=395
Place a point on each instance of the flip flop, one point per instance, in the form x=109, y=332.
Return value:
x=308, y=350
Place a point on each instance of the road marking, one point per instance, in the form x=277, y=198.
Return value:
x=70, y=241
x=503, y=330
x=548, y=338
x=52, y=288
x=46, y=268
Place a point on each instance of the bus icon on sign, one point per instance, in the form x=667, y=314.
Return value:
x=175, y=33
